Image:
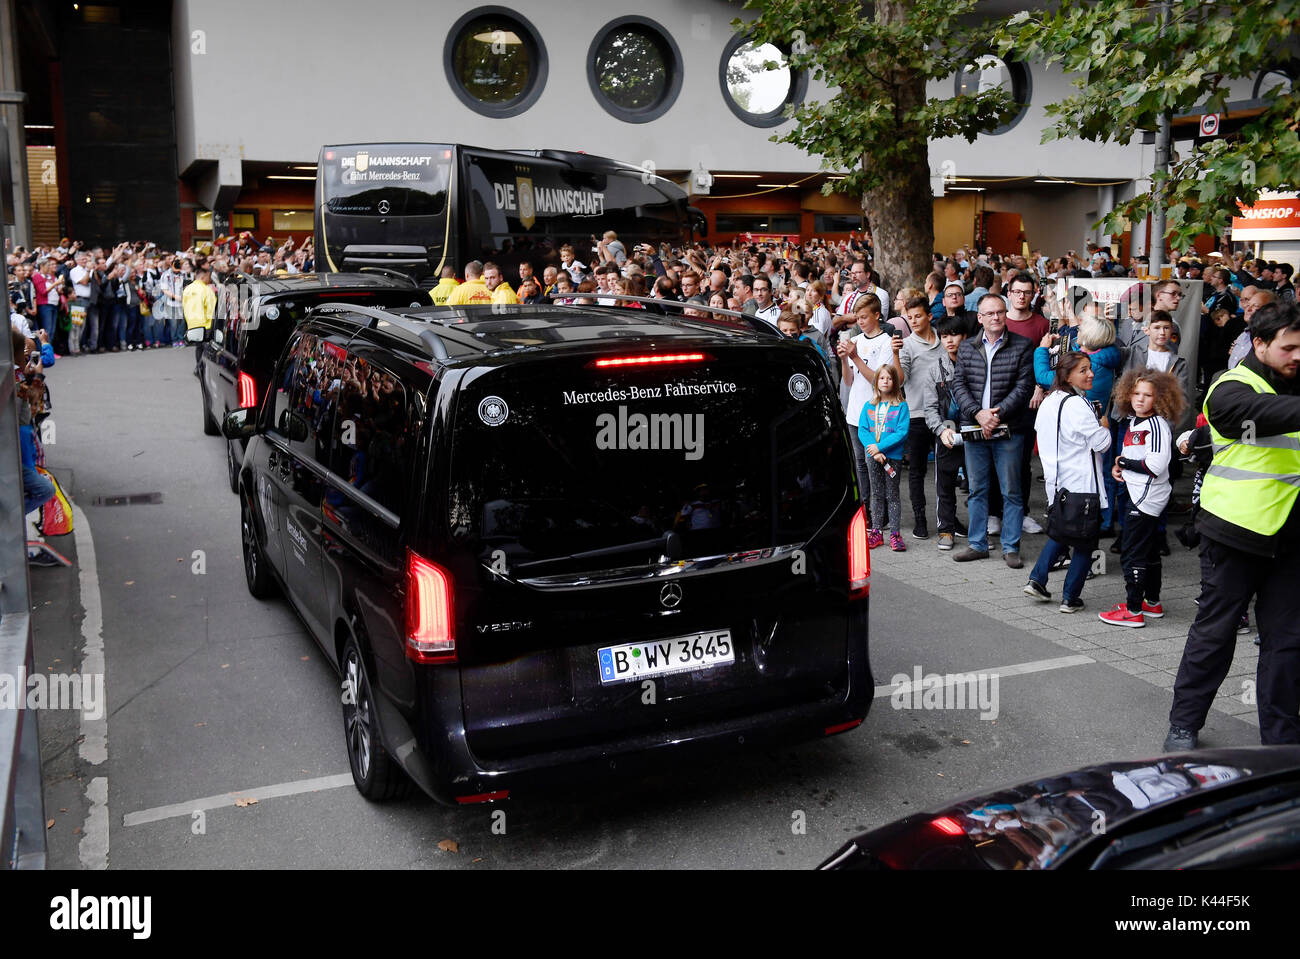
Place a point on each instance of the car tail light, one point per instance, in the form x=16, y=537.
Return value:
x=859, y=556
x=649, y=359
x=841, y=727
x=484, y=797
x=948, y=825
x=247, y=392
x=430, y=633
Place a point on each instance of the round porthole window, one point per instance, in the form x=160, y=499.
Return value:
x=634, y=69
x=756, y=94
x=989, y=72
x=495, y=62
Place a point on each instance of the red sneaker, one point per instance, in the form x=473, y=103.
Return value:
x=875, y=538
x=1120, y=616
x=1155, y=611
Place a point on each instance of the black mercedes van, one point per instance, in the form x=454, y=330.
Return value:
x=254, y=317
x=546, y=541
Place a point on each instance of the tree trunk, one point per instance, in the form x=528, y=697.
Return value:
x=901, y=213
x=901, y=210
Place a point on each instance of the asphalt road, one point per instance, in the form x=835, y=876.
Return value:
x=213, y=697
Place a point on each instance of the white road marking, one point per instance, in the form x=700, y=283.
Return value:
x=93, y=848
x=1019, y=669
x=185, y=809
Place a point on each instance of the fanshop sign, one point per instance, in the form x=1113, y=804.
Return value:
x=528, y=202
x=1275, y=218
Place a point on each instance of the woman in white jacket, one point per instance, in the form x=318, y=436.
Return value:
x=1071, y=440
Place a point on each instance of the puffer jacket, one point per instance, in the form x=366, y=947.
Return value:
x=1013, y=380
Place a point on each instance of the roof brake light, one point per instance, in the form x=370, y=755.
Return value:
x=649, y=359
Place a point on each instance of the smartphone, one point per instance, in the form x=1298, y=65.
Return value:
x=1054, y=325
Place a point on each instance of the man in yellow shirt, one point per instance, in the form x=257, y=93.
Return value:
x=446, y=284
x=483, y=284
x=198, y=303
x=473, y=290
x=497, y=286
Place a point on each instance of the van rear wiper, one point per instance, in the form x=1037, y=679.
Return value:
x=670, y=543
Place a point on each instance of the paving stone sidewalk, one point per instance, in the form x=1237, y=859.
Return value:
x=991, y=588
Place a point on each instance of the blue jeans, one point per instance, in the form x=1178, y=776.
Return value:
x=49, y=316
x=983, y=460
x=117, y=325
x=1080, y=563
x=37, y=489
x=132, y=325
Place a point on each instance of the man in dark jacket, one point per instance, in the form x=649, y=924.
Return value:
x=993, y=383
x=1250, y=524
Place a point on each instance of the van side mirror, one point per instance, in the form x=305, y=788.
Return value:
x=294, y=426
x=218, y=336
x=239, y=424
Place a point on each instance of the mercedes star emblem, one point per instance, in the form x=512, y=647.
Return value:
x=670, y=596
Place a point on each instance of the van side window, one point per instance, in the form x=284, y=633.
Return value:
x=372, y=443
x=312, y=396
x=281, y=386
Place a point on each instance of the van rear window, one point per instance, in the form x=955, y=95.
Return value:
x=741, y=451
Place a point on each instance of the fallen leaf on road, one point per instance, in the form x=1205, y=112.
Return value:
x=447, y=845
x=63, y=809
x=225, y=665
x=196, y=725
x=50, y=824
x=938, y=774
x=130, y=582
x=305, y=658
x=77, y=831
x=965, y=742
x=179, y=560
x=243, y=801
x=477, y=860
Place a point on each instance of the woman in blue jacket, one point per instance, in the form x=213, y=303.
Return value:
x=883, y=431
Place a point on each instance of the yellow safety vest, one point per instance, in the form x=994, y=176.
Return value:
x=1253, y=482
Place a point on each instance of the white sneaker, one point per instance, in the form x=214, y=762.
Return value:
x=1030, y=525
x=995, y=526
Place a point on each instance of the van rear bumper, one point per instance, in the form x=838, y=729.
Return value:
x=445, y=767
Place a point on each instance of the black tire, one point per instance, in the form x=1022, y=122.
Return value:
x=232, y=471
x=376, y=775
x=261, y=585
x=210, y=426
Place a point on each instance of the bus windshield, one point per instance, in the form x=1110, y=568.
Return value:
x=402, y=180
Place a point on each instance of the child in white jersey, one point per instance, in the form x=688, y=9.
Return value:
x=1150, y=402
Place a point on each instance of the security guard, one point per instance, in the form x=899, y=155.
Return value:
x=1250, y=522
x=446, y=283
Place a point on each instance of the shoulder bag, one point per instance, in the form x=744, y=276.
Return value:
x=1074, y=518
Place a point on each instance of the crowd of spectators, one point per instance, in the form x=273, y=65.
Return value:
x=134, y=296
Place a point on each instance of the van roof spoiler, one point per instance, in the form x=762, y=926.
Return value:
x=754, y=323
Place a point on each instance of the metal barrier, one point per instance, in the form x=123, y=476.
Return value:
x=22, y=801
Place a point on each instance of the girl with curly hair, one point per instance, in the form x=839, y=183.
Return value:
x=1150, y=403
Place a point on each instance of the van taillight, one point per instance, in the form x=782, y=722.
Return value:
x=859, y=556
x=247, y=392
x=430, y=634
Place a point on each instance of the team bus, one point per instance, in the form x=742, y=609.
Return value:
x=416, y=207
